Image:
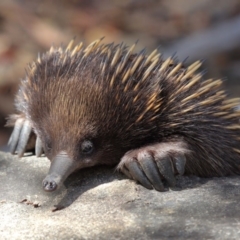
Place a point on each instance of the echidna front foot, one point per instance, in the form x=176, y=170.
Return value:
x=151, y=164
x=23, y=138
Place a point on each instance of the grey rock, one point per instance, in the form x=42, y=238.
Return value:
x=99, y=203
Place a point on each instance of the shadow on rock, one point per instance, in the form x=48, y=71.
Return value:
x=84, y=180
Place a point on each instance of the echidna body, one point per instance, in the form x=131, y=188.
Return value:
x=103, y=104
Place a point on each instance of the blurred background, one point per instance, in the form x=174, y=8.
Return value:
x=203, y=29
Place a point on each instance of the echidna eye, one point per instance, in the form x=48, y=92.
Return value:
x=87, y=147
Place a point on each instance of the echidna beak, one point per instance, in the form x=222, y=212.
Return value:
x=61, y=167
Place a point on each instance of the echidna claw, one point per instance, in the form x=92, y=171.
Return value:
x=13, y=141
x=138, y=174
x=23, y=138
x=20, y=137
x=180, y=162
x=165, y=168
x=125, y=171
x=146, y=160
x=38, y=147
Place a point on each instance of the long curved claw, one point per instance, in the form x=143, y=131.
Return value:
x=180, y=162
x=166, y=170
x=138, y=175
x=38, y=147
x=150, y=169
x=23, y=138
x=13, y=141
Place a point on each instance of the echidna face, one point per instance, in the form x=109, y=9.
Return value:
x=68, y=154
x=63, y=164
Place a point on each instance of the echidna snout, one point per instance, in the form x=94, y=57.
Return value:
x=61, y=167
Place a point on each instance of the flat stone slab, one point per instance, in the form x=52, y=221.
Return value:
x=100, y=204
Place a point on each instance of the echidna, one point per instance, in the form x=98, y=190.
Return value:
x=104, y=104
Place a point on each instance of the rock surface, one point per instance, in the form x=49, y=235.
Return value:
x=100, y=204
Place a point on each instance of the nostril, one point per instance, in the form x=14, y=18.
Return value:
x=45, y=183
x=49, y=186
